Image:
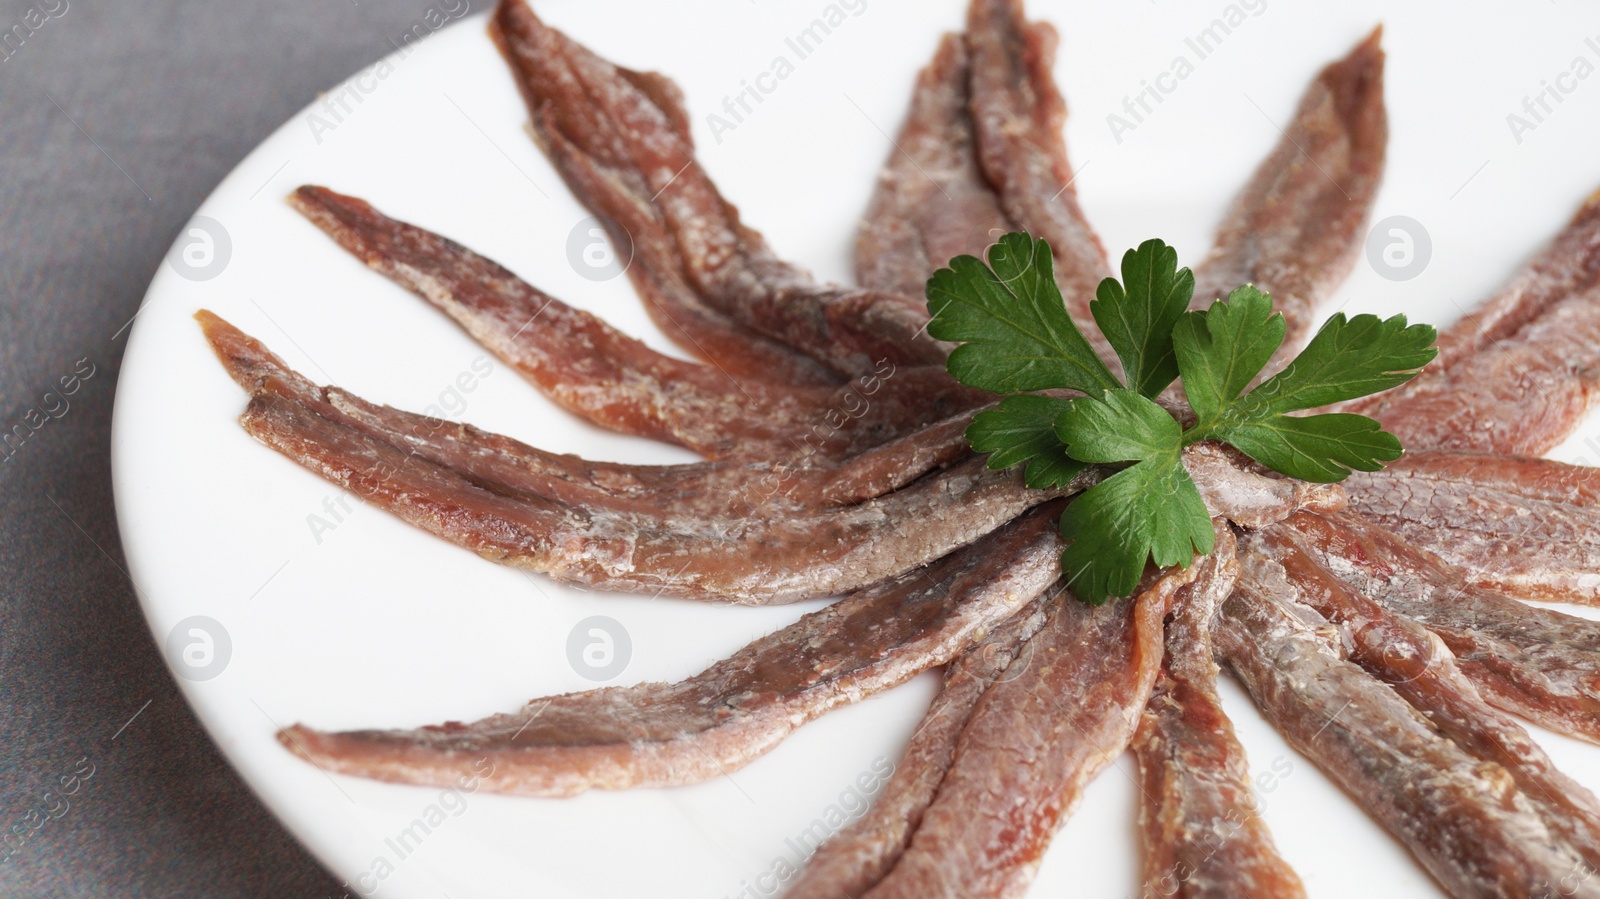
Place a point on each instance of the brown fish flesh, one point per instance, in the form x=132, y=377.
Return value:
x=1529, y=528
x=713, y=723
x=1200, y=823
x=1464, y=819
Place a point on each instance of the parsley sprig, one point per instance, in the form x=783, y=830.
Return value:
x=1017, y=339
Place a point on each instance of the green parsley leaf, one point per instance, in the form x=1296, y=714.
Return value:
x=1016, y=337
x=1118, y=426
x=1023, y=429
x=1348, y=358
x=1221, y=350
x=1053, y=469
x=1318, y=448
x=1149, y=510
x=1138, y=314
x=1014, y=328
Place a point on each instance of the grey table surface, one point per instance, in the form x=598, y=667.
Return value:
x=116, y=120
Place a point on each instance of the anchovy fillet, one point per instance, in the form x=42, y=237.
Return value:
x=931, y=203
x=1418, y=666
x=1539, y=664
x=575, y=96
x=618, y=545
x=1516, y=376
x=1201, y=828
x=617, y=382
x=1018, y=117
x=1299, y=224
x=1464, y=819
x=857, y=858
x=1526, y=527
x=667, y=734
x=1067, y=707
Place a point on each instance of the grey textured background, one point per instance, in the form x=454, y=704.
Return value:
x=116, y=120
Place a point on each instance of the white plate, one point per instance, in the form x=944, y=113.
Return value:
x=363, y=621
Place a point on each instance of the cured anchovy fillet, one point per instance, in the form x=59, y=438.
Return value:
x=704, y=489
x=696, y=730
x=981, y=154
x=857, y=858
x=618, y=545
x=1520, y=396
x=1536, y=663
x=1295, y=230
x=1299, y=225
x=1516, y=376
x=1018, y=118
x=584, y=100
x=1570, y=265
x=1234, y=487
x=1418, y=666
x=637, y=230
x=617, y=382
x=599, y=539
x=1463, y=818
x=896, y=463
x=700, y=489
x=1066, y=707
x=1202, y=832
x=642, y=228
x=740, y=560
x=1526, y=527
x=931, y=203
x=860, y=856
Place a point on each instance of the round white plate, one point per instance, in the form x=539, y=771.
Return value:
x=340, y=616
